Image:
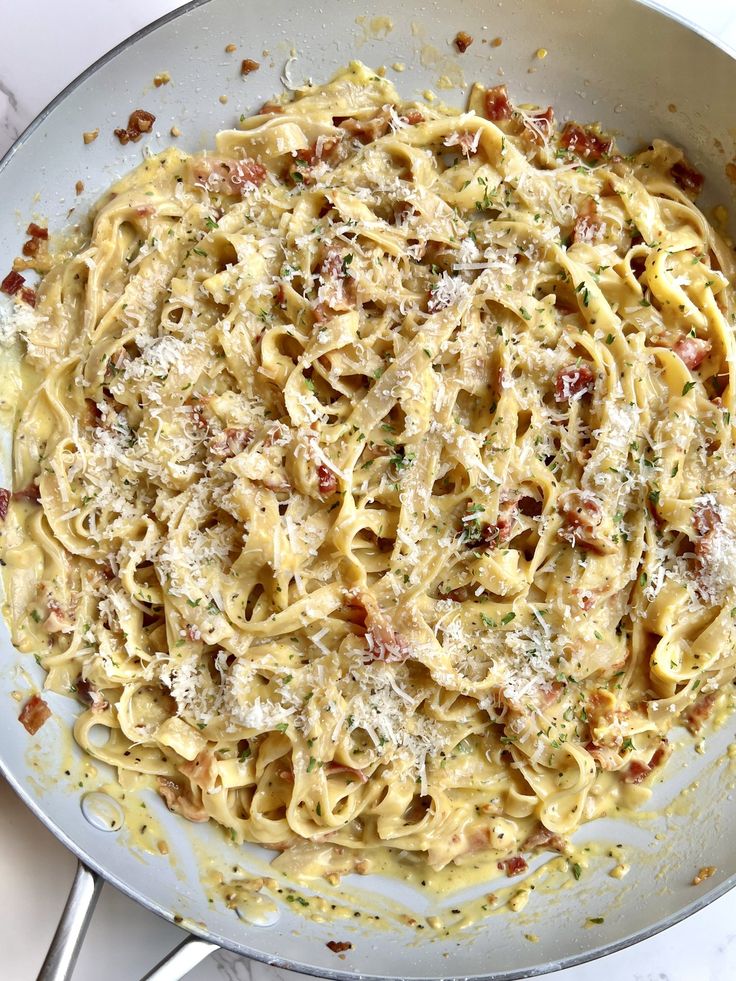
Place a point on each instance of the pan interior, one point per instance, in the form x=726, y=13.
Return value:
x=600, y=65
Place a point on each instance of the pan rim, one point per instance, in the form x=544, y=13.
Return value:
x=329, y=974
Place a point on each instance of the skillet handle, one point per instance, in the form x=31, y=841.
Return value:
x=181, y=960
x=66, y=944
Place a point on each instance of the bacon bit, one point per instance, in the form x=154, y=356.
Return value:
x=368, y=130
x=202, y=770
x=327, y=480
x=496, y=103
x=384, y=643
x=605, y=756
x=31, y=247
x=543, y=838
x=29, y=493
x=705, y=873
x=539, y=125
x=229, y=48
x=37, y=231
x=144, y=210
x=33, y=714
x=338, y=946
x=515, y=865
x=140, y=121
x=270, y=109
x=574, y=381
x=12, y=283
x=636, y=772
x=587, y=225
x=582, y=514
x=231, y=441
x=585, y=142
x=178, y=802
x=468, y=142
x=247, y=66
x=413, y=117
x=686, y=177
x=692, y=351
x=90, y=136
x=660, y=755
x=91, y=696
x=79, y=187
x=696, y=714
x=4, y=502
x=28, y=296
x=323, y=149
x=227, y=175
x=706, y=519
x=334, y=768
x=463, y=40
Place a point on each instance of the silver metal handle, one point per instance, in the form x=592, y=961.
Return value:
x=181, y=960
x=66, y=944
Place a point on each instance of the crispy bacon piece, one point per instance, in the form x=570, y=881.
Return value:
x=573, y=382
x=539, y=124
x=688, y=178
x=231, y=441
x=606, y=757
x=496, y=103
x=368, y=130
x=587, y=225
x=270, y=109
x=696, y=714
x=226, y=175
x=636, y=772
x=384, y=643
x=31, y=247
x=178, y=802
x=413, y=117
x=692, y=351
x=325, y=149
x=28, y=296
x=4, y=502
x=140, y=121
x=337, y=292
x=58, y=621
x=338, y=946
x=36, y=231
x=91, y=696
x=582, y=514
x=515, y=865
x=542, y=837
x=706, y=518
x=327, y=480
x=463, y=40
x=333, y=768
x=202, y=770
x=467, y=142
x=247, y=65
x=585, y=142
x=12, y=283
x=33, y=714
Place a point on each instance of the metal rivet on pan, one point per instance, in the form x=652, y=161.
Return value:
x=102, y=811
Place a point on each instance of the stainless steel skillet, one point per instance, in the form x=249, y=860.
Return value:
x=614, y=60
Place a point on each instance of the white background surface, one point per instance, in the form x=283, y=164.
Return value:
x=43, y=45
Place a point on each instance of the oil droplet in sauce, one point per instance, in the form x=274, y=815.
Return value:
x=102, y=812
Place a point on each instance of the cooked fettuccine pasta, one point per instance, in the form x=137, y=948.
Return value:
x=374, y=481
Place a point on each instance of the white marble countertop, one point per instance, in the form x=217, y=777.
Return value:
x=124, y=941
